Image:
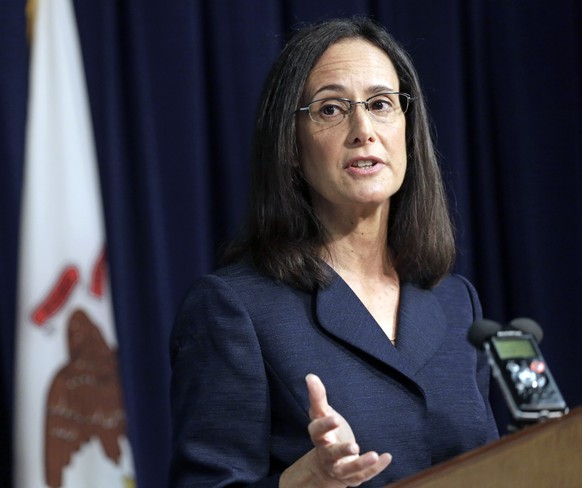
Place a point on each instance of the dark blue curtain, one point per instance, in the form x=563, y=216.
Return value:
x=173, y=88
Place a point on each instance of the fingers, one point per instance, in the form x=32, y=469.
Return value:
x=340, y=463
x=361, y=469
x=336, y=451
x=320, y=429
x=332, y=454
x=318, y=406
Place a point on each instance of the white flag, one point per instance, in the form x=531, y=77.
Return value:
x=70, y=425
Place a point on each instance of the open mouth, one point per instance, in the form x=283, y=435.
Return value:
x=364, y=163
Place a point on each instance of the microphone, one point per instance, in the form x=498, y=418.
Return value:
x=528, y=326
x=481, y=330
x=519, y=368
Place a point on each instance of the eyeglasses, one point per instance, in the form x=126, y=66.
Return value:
x=384, y=107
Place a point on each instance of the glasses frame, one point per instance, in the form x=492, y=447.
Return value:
x=409, y=98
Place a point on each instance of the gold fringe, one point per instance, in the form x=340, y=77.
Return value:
x=30, y=18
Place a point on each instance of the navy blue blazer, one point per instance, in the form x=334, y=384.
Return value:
x=243, y=344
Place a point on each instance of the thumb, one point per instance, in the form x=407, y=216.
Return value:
x=318, y=406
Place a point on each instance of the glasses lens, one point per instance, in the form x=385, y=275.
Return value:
x=329, y=110
x=384, y=107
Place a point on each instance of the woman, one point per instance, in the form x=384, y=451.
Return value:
x=341, y=278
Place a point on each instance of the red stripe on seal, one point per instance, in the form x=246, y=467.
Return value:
x=57, y=296
x=98, y=275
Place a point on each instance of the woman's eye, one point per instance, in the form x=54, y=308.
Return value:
x=381, y=105
x=330, y=110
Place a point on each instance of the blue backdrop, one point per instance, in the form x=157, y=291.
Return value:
x=173, y=88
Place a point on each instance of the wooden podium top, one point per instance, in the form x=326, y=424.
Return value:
x=547, y=454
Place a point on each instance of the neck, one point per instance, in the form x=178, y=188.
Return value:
x=358, y=242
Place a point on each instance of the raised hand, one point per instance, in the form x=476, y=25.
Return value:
x=335, y=462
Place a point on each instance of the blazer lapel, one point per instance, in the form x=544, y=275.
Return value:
x=421, y=325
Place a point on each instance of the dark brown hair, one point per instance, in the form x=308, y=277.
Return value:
x=283, y=236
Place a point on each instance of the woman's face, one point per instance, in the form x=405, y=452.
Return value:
x=359, y=162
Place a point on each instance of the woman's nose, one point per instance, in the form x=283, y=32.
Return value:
x=361, y=124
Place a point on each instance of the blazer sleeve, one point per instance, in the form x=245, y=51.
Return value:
x=219, y=393
x=483, y=369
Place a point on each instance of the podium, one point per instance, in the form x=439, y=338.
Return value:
x=547, y=454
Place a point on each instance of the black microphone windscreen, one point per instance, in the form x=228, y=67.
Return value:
x=528, y=326
x=481, y=330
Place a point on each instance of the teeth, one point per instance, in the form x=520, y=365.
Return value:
x=364, y=163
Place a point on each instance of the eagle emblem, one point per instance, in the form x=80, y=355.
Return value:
x=84, y=400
